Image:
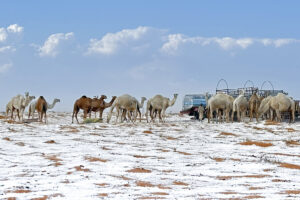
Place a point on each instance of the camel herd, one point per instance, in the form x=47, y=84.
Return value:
x=127, y=107
x=221, y=105
x=20, y=102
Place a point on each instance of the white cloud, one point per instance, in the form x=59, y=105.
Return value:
x=7, y=48
x=111, y=42
x=174, y=41
x=15, y=28
x=5, y=67
x=3, y=34
x=51, y=45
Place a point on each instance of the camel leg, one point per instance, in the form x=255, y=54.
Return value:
x=159, y=115
x=238, y=115
x=100, y=114
x=278, y=116
x=18, y=114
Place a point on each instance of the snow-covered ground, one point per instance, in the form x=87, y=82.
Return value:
x=179, y=159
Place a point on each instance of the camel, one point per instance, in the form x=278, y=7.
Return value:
x=269, y=111
x=279, y=103
x=140, y=106
x=41, y=107
x=83, y=103
x=124, y=102
x=240, y=105
x=254, y=103
x=19, y=103
x=31, y=110
x=106, y=105
x=97, y=104
x=219, y=102
x=159, y=104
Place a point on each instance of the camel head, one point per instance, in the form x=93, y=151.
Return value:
x=103, y=97
x=26, y=94
x=56, y=100
x=114, y=98
x=175, y=96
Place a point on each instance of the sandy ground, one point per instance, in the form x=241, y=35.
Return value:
x=180, y=159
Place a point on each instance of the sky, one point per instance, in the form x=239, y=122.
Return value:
x=66, y=49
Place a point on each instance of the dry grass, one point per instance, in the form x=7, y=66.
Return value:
x=280, y=180
x=139, y=170
x=159, y=193
x=144, y=184
x=291, y=130
x=218, y=159
x=147, y=132
x=269, y=122
x=20, y=144
x=245, y=176
x=292, y=192
x=228, y=192
x=81, y=168
x=253, y=197
x=260, y=144
x=94, y=159
x=291, y=142
x=289, y=166
x=227, y=134
x=45, y=197
x=256, y=188
x=183, y=153
x=6, y=138
x=50, y=142
x=138, y=156
x=18, y=191
x=2, y=117
x=102, y=194
x=180, y=183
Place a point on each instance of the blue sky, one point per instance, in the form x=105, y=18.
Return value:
x=66, y=49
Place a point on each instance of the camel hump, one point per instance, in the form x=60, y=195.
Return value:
x=83, y=96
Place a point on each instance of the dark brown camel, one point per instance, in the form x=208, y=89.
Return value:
x=41, y=107
x=96, y=104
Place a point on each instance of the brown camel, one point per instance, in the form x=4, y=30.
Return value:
x=97, y=104
x=83, y=103
x=254, y=103
x=106, y=105
x=41, y=107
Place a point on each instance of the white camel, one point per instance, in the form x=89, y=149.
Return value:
x=124, y=102
x=240, y=105
x=279, y=103
x=140, y=106
x=219, y=102
x=19, y=103
x=159, y=104
x=32, y=106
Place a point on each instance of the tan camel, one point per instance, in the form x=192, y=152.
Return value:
x=140, y=106
x=240, y=105
x=280, y=103
x=96, y=104
x=124, y=102
x=41, y=107
x=159, y=104
x=254, y=103
x=83, y=103
x=219, y=102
